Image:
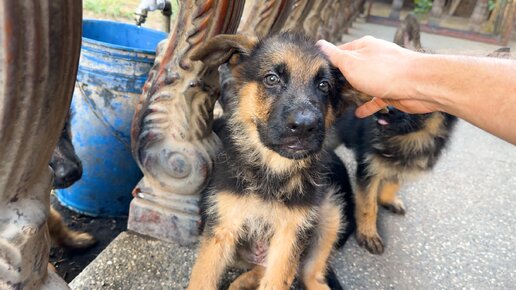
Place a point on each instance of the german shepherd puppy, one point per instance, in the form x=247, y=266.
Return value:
x=389, y=148
x=276, y=200
x=67, y=168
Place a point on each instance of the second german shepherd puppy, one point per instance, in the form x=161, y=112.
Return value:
x=389, y=148
x=272, y=205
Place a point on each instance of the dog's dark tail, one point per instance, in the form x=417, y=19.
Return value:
x=408, y=34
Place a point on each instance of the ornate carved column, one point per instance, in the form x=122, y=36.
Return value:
x=437, y=8
x=313, y=20
x=396, y=9
x=324, y=16
x=334, y=31
x=298, y=14
x=40, y=44
x=479, y=15
x=344, y=21
x=264, y=17
x=172, y=140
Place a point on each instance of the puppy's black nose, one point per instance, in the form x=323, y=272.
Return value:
x=66, y=173
x=302, y=122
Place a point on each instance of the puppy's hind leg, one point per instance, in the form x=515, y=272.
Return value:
x=315, y=263
x=65, y=237
x=249, y=280
x=389, y=199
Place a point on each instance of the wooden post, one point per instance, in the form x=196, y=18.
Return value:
x=40, y=44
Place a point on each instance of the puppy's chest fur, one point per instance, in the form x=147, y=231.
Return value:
x=306, y=184
x=259, y=200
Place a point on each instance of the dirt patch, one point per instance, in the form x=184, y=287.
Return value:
x=70, y=263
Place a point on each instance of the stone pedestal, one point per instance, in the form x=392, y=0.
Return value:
x=172, y=140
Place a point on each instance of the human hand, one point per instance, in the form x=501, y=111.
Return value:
x=382, y=70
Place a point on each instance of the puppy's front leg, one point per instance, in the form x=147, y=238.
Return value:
x=282, y=258
x=216, y=252
x=388, y=197
x=315, y=262
x=366, y=211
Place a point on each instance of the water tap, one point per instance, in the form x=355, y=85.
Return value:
x=149, y=5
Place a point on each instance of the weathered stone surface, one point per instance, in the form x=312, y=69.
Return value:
x=40, y=43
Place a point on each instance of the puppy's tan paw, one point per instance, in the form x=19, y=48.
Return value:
x=372, y=243
x=396, y=207
x=317, y=286
x=78, y=241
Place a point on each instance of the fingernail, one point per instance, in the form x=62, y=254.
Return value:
x=324, y=45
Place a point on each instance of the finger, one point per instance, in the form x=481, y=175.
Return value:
x=356, y=44
x=335, y=55
x=369, y=108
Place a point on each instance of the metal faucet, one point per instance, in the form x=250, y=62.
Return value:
x=151, y=5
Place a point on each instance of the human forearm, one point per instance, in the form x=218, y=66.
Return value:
x=481, y=91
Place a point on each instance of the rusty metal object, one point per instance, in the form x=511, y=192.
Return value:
x=40, y=43
x=265, y=17
x=172, y=140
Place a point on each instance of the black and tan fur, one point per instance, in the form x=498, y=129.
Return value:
x=67, y=169
x=391, y=147
x=275, y=204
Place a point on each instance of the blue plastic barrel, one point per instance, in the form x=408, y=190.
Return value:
x=114, y=64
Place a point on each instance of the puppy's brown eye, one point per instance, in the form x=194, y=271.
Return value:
x=271, y=80
x=324, y=86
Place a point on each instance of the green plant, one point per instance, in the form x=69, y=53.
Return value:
x=491, y=4
x=422, y=6
x=113, y=8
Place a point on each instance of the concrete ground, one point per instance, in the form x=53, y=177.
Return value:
x=459, y=231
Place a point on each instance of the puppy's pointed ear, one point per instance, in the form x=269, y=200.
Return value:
x=220, y=48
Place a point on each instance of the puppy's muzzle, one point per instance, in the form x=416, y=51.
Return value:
x=302, y=123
